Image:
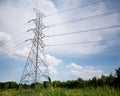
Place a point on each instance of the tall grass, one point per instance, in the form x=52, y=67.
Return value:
x=100, y=91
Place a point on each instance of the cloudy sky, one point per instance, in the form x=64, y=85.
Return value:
x=65, y=62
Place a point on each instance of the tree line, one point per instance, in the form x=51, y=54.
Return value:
x=111, y=81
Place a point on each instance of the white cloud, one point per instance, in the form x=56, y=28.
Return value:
x=21, y=53
x=83, y=49
x=8, y=47
x=14, y=13
x=21, y=11
x=5, y=42
x=84, y=72
x=52, y=63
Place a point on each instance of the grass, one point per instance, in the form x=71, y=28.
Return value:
x=100, y=91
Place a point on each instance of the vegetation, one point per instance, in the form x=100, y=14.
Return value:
x=99, y=91
x=104, y=86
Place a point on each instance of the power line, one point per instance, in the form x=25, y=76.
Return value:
x=22, y=37
x=18, y=47
x=75, y=32
x=13, y=30
x=70, y=33
x=84, y=18
x=85, y=5
x=12, y=49
x=18, y=43
x=77, y=43
x=84, y=31
x=107, y=13
x=8, y=49
x=11, y=54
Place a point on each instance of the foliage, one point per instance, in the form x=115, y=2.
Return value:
x=8, y=85
x=89, y=91
x=111, y=81
x=117, y=77
x=104, y=86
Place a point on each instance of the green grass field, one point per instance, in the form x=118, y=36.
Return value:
x=100, y=91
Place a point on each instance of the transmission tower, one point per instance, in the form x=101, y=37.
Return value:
x=36, y=69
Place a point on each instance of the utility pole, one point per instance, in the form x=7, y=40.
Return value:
x=36, y=69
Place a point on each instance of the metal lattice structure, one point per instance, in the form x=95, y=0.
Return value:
x=36, y=69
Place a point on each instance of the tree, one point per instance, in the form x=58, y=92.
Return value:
x=5, y=85
x=1, y=85
x=118, y=77
x=94, y=82
x=36, y=85
x=47, y=84
x=118, y=73
x=81, y=83
x=110, y=80
x=57, y=84
x=103, y=80
x=13, y=84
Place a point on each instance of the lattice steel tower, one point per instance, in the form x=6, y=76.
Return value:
x=36, y=69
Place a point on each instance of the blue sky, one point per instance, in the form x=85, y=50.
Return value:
x=64, y=62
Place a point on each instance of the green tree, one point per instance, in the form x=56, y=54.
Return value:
x=36, y=85
x=118, y=77
x=110, y=80
x=13, y=85
x=81, y=83
x=94, y=82
x=103, y=80
x=47, y=84
x=118, y=73
x=5, y=85
x=57, y=84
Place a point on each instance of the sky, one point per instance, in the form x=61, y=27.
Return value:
x=67, y=62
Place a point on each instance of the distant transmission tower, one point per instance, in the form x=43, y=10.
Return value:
x=36, y=69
